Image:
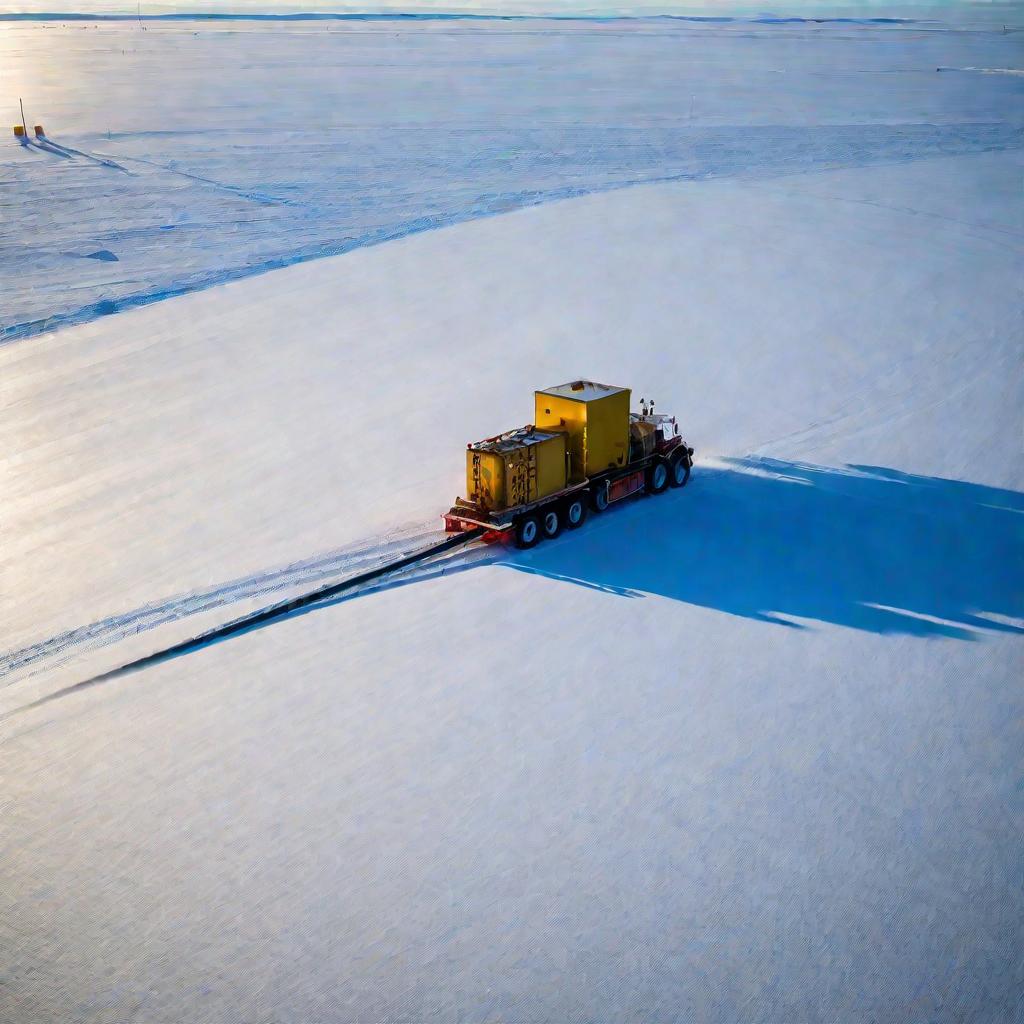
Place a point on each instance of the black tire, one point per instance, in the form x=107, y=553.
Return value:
x=528, y=532
x=657, y=477
x=679, y=471
x=599, y=498
x=551, y=522
x=575, y=512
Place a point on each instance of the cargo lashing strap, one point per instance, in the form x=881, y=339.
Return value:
x=477, y=483
x=520, y=476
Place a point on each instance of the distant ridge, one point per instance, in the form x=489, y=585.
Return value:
x=424, y=16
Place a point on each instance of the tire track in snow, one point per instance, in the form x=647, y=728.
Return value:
x=253, y=196
x=879, y=404
x=68, y=153
x=323, y=597
x=17, y=665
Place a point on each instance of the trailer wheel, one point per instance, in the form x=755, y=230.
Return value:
x=657, y=477
x=575, y=513
x=599, y=498
x=527, y=532
x=679, y=471
x=551, y=522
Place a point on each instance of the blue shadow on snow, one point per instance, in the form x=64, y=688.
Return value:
x=864, y=547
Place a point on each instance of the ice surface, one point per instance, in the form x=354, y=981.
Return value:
x=748, y=751
x=329, y=137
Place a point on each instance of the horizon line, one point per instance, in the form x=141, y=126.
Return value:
x=414, y=15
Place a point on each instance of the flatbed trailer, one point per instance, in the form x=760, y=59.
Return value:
x=528, y=523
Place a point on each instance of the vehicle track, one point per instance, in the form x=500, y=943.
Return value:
x=428, y=554
x=55, y=650
x=68, y=152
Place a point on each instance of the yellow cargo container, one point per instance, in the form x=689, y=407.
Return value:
x=596, y=420
x=516, y=468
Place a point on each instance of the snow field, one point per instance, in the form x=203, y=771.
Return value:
x=749, y=751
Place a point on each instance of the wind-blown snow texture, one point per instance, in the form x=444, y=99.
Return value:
x=328, y=138
x=745, y=752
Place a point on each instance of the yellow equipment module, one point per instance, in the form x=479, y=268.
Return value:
x=516, y=468
x=596, y=419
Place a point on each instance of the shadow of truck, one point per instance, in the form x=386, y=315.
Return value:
x=869, y=548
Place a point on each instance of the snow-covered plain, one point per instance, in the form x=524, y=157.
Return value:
x=746, y=752
x=164, y=174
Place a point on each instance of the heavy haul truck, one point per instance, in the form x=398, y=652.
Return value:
x=583, y=451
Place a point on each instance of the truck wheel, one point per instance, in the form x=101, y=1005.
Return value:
x=599, y=498
x=527, y=532
x=575, y=513
x=551, y=522
x=679, y=472
x=657, y=477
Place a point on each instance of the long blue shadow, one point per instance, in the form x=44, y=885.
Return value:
x=865, y=547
